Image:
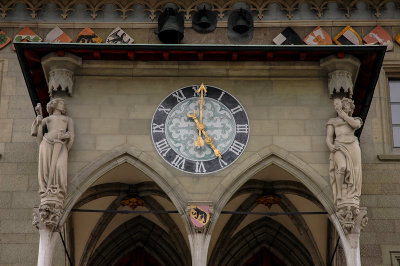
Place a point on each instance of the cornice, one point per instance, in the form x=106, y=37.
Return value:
x=152, y=7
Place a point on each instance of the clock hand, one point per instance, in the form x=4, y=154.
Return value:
x=199, y=142
x=202, y=90
x=210, y=142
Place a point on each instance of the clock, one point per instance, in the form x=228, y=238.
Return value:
x=200, y=129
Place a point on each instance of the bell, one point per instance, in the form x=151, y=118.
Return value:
x=204, y=23
x=204, y=20
x=171, y=26
x=241, y=25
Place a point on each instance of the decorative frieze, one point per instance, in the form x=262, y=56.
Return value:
x=151, y=7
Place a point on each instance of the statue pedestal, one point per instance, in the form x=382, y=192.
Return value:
x=48, y=233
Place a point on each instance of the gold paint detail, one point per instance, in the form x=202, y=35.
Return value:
x=132, y=202
x=269, y=200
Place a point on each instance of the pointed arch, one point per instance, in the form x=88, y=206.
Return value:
x=309, y=177
x=82, y=181
x=137, y=232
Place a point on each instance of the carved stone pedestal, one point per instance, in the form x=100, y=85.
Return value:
x=46, y=218
x=352, y=220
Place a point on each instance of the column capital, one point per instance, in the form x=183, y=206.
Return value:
x=59, y=71
x=342, y=73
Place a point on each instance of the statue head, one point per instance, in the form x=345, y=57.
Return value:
x=56, y=104
x=348, y=106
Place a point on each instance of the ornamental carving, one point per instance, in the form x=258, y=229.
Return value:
x=153, y=7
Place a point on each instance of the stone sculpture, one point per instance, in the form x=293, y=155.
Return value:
x=55, y=136
x=345, y=165
x=345, y=158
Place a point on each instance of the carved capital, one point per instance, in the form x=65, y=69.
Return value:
x=352, y=219
x=342, y=74
x=59, y=71
x=48, y=216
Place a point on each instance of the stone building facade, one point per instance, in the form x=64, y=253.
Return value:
x=114, y=157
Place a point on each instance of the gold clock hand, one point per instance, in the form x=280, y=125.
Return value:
x=201, y=90
x=210, y=142
x=199, y=142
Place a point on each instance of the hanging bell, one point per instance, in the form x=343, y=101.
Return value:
x=241, y=25
x=204, y=23
x=170, y=26
x=204, y=20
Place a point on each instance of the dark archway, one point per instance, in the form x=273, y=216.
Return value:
x=138, y=257
x=269, y=234
x=264, y=258
x=255, y=189
x=138, y=232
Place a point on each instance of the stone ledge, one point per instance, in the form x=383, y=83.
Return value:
x=389, y=157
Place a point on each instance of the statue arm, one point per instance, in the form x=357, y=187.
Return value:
x=71, y=133
x=330, y=130
x=353, y=122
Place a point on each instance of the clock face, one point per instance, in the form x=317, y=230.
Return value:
x=200, y=134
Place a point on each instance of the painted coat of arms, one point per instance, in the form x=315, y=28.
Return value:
x=200, y=215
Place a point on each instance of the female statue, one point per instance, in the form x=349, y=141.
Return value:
x=55, y=135
x=345, y=158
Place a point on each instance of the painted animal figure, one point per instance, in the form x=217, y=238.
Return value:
x=199, y=214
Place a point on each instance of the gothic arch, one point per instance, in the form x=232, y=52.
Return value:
x=137, y=232
x=310, y=178
x=265, y=232
x=124, y=154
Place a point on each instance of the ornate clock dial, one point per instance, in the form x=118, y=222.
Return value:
x=175, y=129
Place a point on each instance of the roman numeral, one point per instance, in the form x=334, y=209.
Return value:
x=195, y=93
x=200, y=167
x=163, y=147
x=163, y=109
x=179, y=162
x=242, y=128
x=222, y=163
x=237, y=147
x=220, y=97
x=158, y=128
x=179, y=95
x=236, y=109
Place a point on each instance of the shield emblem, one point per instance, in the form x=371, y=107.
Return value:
x=397, y=38
x=288, y=37
x=348, y=36
x=118, y=36
x=318, y=37
x=4, y=39
x=200, y=215
x=58, y=36
x=87, y=35
x=26, y=35
x=379, y=36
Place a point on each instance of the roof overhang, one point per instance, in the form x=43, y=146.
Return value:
x=371, y=59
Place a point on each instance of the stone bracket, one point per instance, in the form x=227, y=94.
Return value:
x=342, y=73
x=59, y=71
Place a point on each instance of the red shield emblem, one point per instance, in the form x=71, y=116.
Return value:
x=379, y=36
x=318, y=37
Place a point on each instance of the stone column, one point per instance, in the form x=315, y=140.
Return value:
x=345, y=157
x=59, y=71
x=45, y=219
